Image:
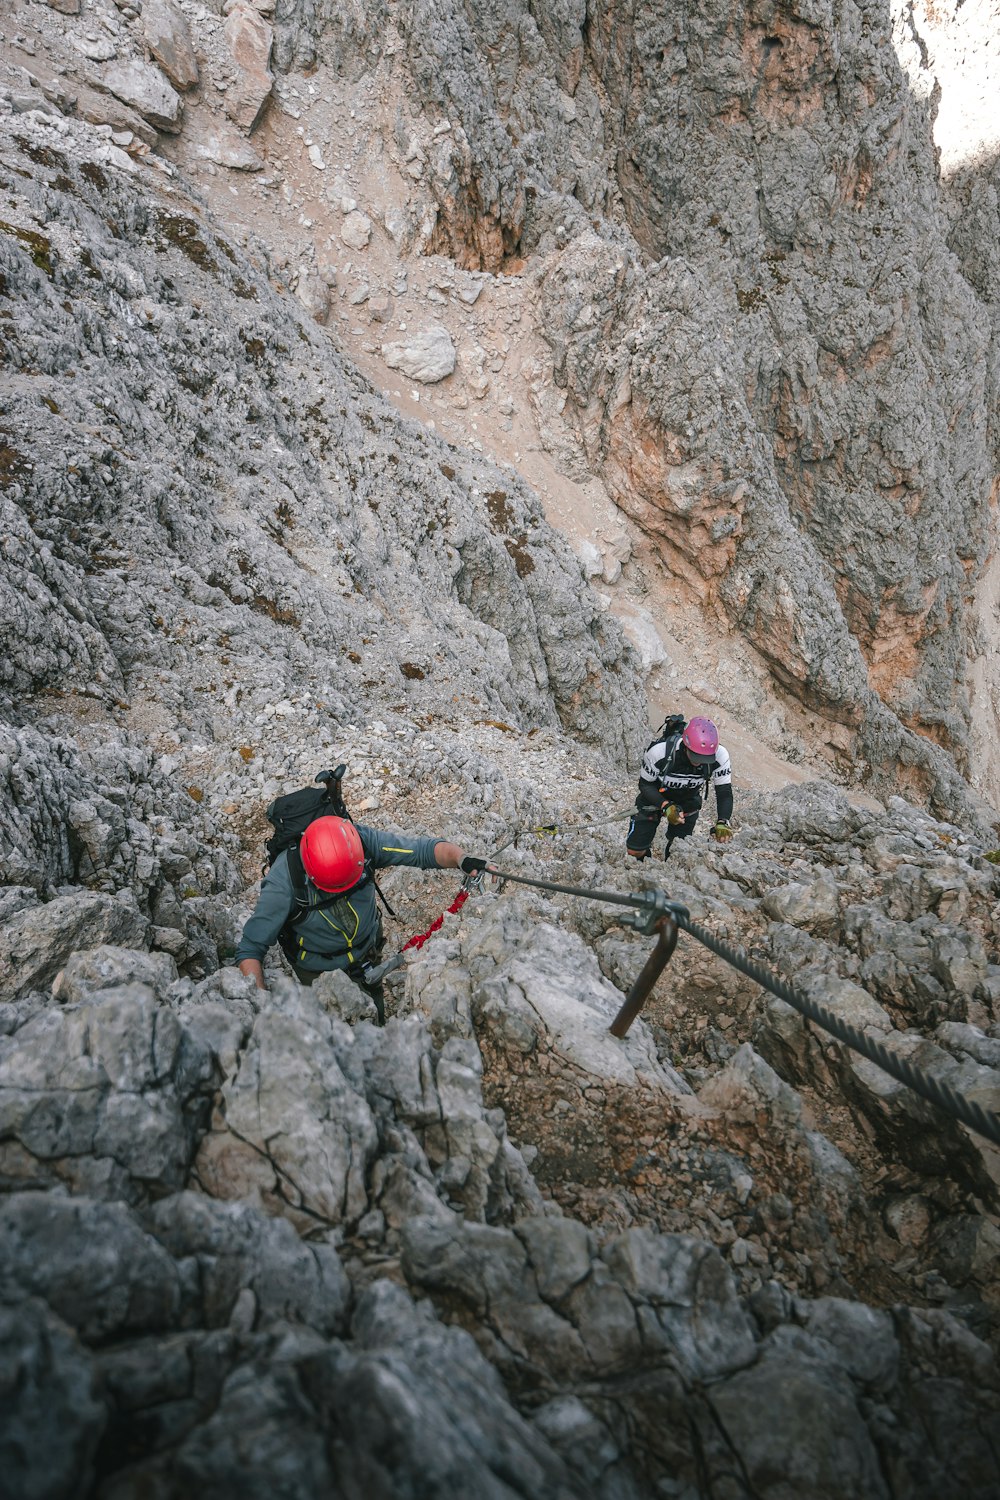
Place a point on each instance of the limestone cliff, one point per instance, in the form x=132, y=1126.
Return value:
x=313, y=320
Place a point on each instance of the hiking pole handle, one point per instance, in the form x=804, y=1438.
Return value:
x=336, y=775
x=332, y=781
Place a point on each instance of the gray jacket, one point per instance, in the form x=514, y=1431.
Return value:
x=338, y=935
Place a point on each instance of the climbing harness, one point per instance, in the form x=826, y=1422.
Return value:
x=654, y=912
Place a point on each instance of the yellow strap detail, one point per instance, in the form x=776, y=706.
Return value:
x=391, y=849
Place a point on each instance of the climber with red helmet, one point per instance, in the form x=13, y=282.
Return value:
x=318, y=899
x=683, y=762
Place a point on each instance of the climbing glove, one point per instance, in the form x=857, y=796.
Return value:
x=674, y=815
x=722, y=832
x=472, y=864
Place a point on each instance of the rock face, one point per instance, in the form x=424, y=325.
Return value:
x=422, y=548
x=874, y=397
x=800, y=423
x=249, y=39
x=167, y=1334
x=143, y=88
x=251, y=1243
x=168, y=38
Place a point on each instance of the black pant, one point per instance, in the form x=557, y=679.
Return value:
x=646, y=820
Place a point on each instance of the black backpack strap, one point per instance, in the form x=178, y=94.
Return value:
x=297, y=875
x=381, y=895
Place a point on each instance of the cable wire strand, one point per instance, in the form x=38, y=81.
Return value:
x=935, y=1090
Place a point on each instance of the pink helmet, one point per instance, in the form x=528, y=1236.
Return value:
x=700, y=739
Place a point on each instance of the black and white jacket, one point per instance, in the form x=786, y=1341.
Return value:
x=668, y=775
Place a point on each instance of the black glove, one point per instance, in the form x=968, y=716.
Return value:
x=471, y=865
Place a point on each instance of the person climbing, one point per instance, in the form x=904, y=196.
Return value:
x=332, y=921
x=678, y=768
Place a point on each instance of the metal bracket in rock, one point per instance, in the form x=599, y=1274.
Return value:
x=660, y=914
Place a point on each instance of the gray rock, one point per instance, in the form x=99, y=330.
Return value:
x=168, y=37
x=107, y=967
x=53, y=1416
x=427, y=357
x=811, y=906
x=37, y=942
x=290, y=1109
x=445, y=1421
x=342, y=997
x=356, y=230
x=314, y=295
x=238, y=1250
x=143, y=88
x=693, y=1301
x=226, y=147
x=110, y=1094
x=862, y=1336
x=91, y=1262
x=822, y=1443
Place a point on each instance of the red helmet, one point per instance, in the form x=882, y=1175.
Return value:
x=332, y=854
x=701, y=739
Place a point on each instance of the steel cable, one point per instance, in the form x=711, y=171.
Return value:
x=934, y=1090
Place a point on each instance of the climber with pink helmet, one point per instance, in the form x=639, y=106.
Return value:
x=682, y=764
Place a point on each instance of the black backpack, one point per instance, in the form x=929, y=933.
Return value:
x=290, y=816
x=673, y=724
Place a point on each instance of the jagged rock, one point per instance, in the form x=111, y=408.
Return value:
x=51, y=1400
x=37, y=942
x=310, y=578
x=107, y=967
x=546, y=994
x=238, y=1251
x=96, y=105
x=562, y=651
x=304, y=1133
x=343, y=998
x=426, y=357
x=443, y=1414
x=356, y=230
x=746, y=1084
x=97, y=49
x=108, y=1095
x=825, y=1444
x=143, y=88
x=91, y=1262
x=168, y=37
x=249, y=38
x=314, y=295
x=226, y=147
x=811, y=906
